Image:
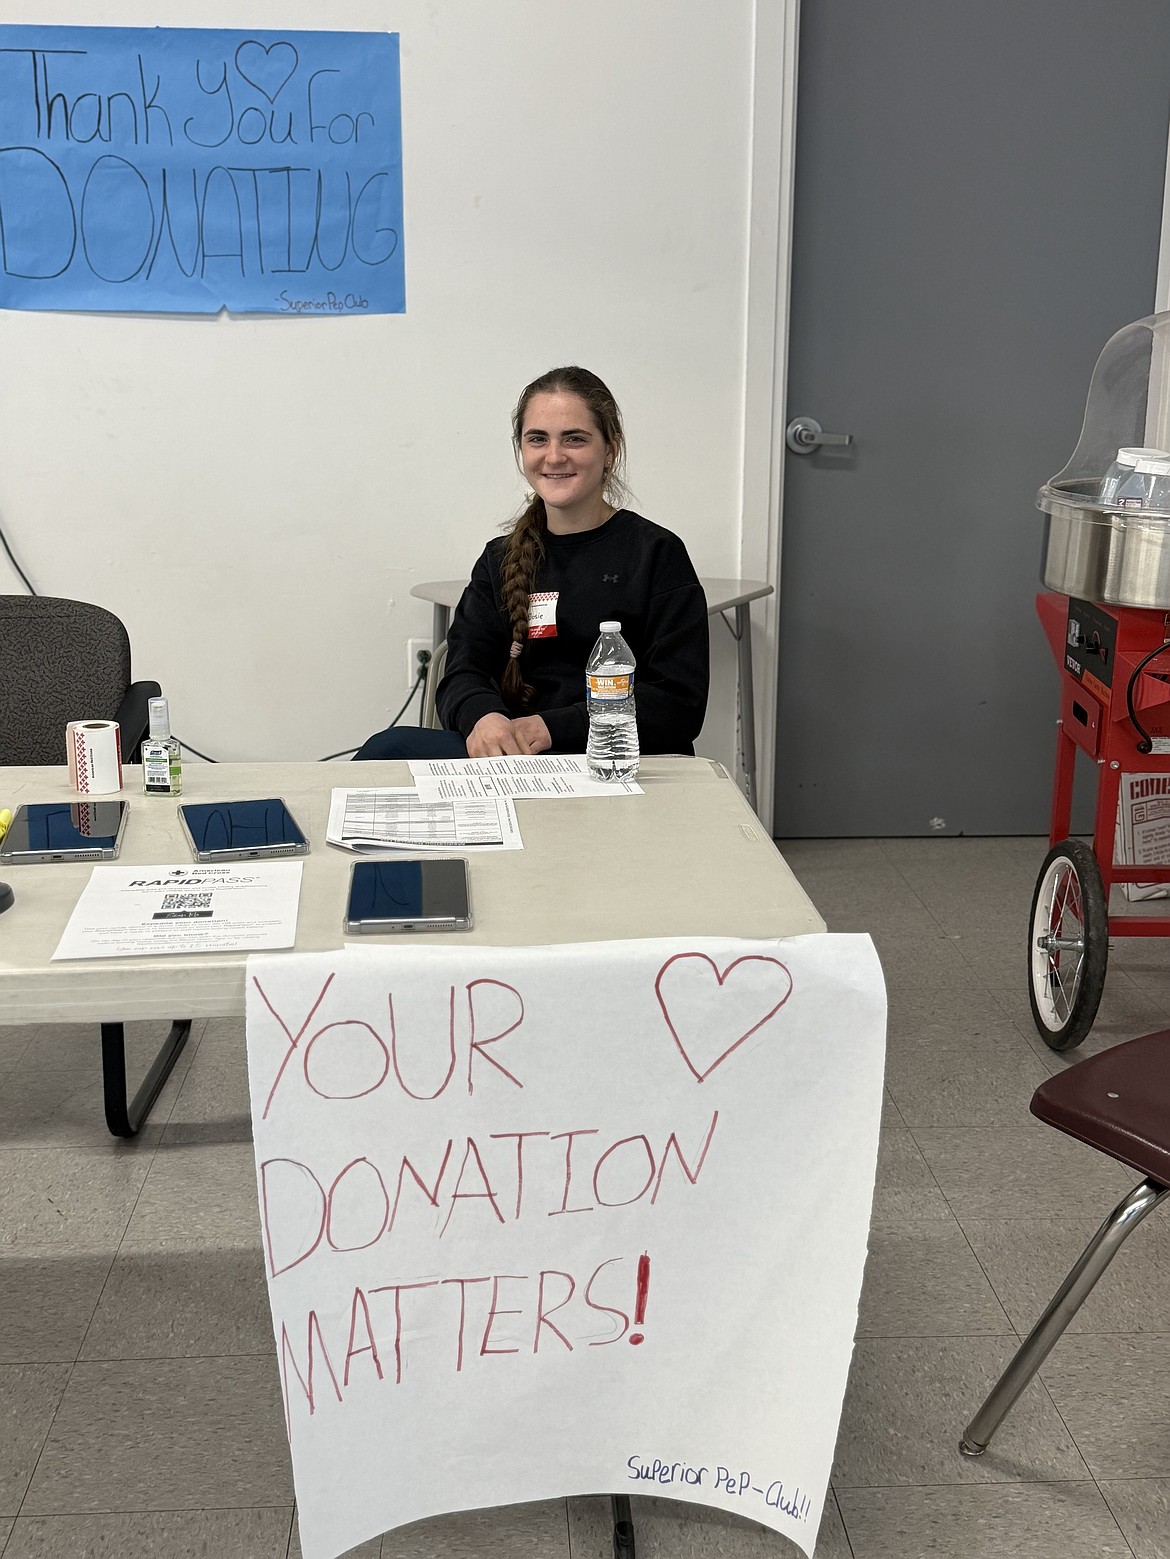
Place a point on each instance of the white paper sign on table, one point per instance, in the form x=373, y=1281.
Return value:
x=126, y=911
x=550, y=1221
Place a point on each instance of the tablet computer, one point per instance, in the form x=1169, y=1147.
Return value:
x=408, y=895
x=241, y=830
x=65, y=831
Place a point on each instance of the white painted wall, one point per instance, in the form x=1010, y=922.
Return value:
x=256, y=496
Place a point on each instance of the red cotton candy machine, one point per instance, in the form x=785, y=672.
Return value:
x=1106, y=613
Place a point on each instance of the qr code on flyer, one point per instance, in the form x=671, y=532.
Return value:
x=186, y=901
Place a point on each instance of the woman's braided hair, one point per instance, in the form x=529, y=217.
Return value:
x=524, y=547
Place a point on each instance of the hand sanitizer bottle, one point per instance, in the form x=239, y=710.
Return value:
x=162, y=757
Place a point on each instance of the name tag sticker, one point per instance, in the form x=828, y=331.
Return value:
x=542, y=614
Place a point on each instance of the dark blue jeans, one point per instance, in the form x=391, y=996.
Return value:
x=411, y=741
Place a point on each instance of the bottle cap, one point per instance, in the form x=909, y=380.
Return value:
x=160, y=719
x=611, y=627
x=1131, y=456
x=1154, y=466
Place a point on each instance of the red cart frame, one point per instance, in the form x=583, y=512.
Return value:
x=1115, y=708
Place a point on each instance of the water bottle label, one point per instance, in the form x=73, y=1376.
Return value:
x=607, y=686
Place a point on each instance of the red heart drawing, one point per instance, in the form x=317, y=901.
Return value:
x=743, y=1003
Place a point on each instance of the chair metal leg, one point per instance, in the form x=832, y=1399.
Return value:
x=623, y=1527
x=1065, y=1303
x=124, y=1118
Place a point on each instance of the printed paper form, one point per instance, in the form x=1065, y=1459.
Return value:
x=539, y=777
x=394, y=817
x=126, y=911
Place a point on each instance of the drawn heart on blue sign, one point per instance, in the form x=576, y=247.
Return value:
x=708, y=1022
x=274, y=64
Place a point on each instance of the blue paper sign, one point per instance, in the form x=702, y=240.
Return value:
x=188, y=170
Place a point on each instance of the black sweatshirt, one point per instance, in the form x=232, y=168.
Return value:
x=628, y=569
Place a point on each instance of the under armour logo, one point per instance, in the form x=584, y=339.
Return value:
x=609, y=579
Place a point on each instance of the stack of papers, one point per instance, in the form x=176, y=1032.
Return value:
x=544, y=776
x=392, y=818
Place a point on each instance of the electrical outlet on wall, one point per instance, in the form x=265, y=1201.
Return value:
x=415, y=648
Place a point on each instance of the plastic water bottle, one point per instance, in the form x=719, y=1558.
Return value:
x=1121, y=468
x=612, y=751
x=1150, y=470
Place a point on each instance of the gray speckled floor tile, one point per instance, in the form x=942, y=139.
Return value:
x=995, y=949
x=226, y=1031
x=924, y=959
x=672, y=1529
x=534, y=1531
x=77, y=1199
x=5, y=1529
x=908, y=1401
x=1027, y=1260
x=890, y=913
x=1139, y=955
x=1125, y=1012
x=29, y=1394
x=1142, y=1509
x=47, y=1299
x=925, y=1282
x=997, y=1521
x=918, y=1014
x=204, y=1192
x=15, y=1039
x=213, y=1104
x=1114, y=1395
x=164, y=1534
x=905, y=1191
x=977, y=1071
x=1021, y=1173
x=40, y=1108
x=165, y=1434
x=182, y=1301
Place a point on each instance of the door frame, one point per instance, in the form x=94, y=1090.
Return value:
x=766, y=319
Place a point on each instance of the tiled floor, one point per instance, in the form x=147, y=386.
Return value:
x=139, y=1411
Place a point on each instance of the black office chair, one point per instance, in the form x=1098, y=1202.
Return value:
x=60, y=661
x=69, y=660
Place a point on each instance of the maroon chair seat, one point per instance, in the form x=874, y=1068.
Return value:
x=1119, y=1103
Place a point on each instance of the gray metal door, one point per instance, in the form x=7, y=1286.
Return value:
x=978, y=207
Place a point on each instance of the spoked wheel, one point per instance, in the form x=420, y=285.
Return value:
x=1068, y=944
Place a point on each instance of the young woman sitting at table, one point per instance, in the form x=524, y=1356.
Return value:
x=574, y=557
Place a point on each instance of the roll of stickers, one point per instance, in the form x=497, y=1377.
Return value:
x=95, y=756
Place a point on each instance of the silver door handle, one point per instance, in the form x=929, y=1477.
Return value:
x=804, y=434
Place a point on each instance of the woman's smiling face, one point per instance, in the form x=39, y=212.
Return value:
x=565, y=458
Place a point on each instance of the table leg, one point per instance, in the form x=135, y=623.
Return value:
x=747, y=697
x=124, y=1119
x=623, y=1527
x=440, y=619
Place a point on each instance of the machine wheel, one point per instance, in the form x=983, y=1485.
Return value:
x=1068, y=944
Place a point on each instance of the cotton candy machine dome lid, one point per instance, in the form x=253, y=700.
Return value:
x=1128, y=406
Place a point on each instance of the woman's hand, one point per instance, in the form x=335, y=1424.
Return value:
x=532, y=730
x=495, y=736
